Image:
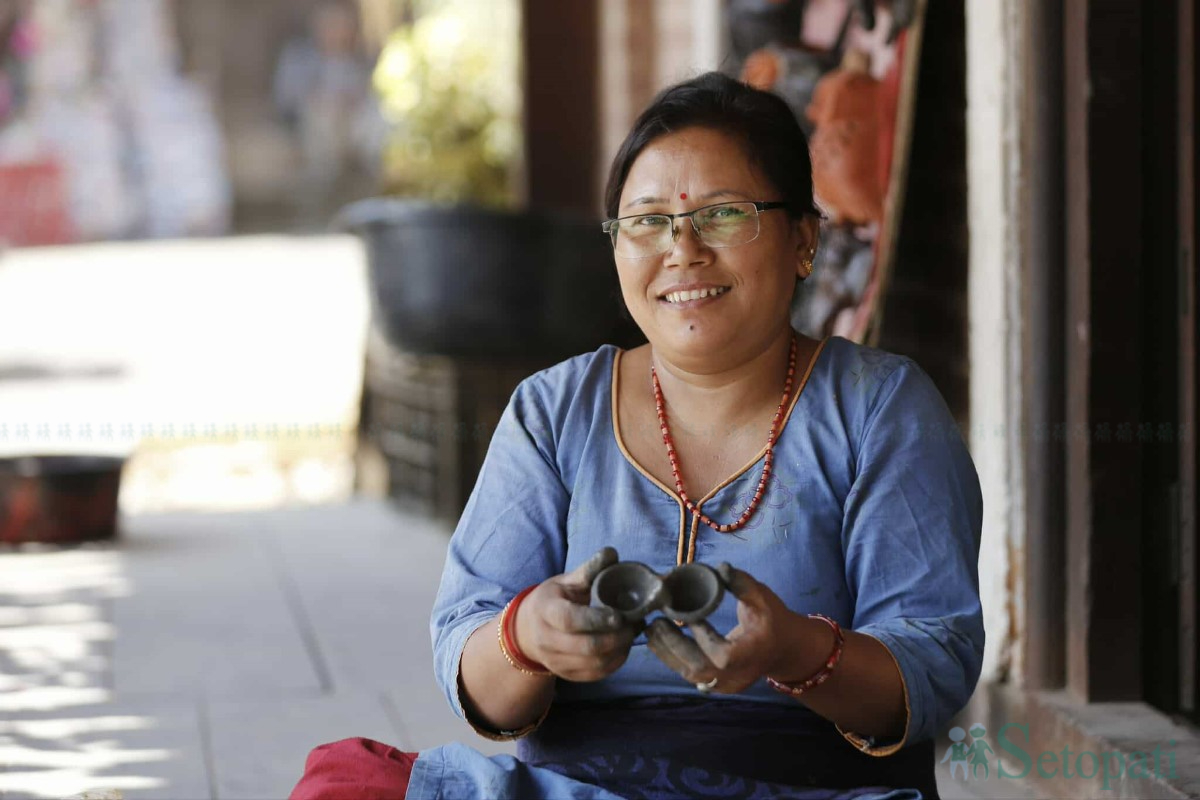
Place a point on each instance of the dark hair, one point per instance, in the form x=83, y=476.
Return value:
x=770, y=135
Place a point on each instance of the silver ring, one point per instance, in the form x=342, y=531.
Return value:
x=705, y=688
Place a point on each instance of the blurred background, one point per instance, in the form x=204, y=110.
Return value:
x=270, y=270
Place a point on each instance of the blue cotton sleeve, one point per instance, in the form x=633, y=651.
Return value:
x=910, y=535
x=511, y=534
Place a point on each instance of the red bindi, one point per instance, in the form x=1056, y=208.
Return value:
x=683, y=195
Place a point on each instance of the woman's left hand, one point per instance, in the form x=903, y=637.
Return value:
x=761, y=640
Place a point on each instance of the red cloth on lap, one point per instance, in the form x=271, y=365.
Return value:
x=355, y=769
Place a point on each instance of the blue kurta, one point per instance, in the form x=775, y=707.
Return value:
x=872, y=516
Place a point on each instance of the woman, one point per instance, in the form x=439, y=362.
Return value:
x=824, y=477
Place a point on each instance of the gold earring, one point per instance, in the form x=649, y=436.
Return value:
x=806, y=268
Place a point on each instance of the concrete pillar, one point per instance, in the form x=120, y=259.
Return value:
x=561, y=47
x=996, y=172
x=645, y=47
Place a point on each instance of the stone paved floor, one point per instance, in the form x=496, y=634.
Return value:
x=203, y=655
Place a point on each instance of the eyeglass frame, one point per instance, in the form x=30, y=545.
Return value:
x=759, y=206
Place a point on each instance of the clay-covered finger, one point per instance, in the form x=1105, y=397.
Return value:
x=588, y=646
x=585, y=573
x=658, y=640
x=715, y=646
x=678, y=651
x=741, y=585
x=587, y=657
x=575, y=618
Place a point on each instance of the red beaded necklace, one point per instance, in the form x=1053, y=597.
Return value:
x=766, y=473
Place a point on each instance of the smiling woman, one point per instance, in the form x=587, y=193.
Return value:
x=826, y=483
x=744, y=254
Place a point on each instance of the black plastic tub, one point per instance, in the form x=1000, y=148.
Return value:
x=476, y=283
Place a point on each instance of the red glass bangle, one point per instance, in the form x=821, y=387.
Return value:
x=506, y=633
x=822, y=674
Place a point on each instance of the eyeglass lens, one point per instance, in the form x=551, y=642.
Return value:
x=722, y=225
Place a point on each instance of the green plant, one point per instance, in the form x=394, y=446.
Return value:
x=450, y=89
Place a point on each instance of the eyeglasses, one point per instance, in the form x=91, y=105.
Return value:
x=719, y=225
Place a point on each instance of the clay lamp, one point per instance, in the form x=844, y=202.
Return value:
x=688, y=593
x=693, y=592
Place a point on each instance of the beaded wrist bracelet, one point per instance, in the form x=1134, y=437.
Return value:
x=821, y=675
x=506, y=634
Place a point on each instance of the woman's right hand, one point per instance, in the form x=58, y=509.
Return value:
x=556, y=627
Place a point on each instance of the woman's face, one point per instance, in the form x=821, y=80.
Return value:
x=683, y=171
